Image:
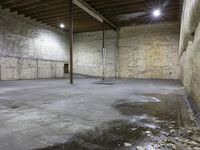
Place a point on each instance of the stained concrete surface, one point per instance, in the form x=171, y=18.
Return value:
x=91, y=114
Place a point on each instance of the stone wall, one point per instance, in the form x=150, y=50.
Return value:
x=30, y=50
x=149, y=51
x=23, y=68
x=88, y=53
x=189, y=50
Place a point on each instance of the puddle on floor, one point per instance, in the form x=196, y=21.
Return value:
x=166, y=107
x=147, y=125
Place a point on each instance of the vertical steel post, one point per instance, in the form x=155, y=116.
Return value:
x=103, y=52
x=117, y=54
x=71, y=40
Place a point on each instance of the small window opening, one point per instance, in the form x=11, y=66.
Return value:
x=66, y=68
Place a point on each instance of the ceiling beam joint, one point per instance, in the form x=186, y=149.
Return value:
x=91, y=11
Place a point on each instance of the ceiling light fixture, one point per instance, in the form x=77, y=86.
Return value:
x=156, y=13
x=62, y=26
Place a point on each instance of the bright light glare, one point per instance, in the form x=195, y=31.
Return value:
x=62, y=26
x=156, y=13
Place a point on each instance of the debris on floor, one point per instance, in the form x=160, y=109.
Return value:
x=184, y=138
x=127, y=144
x=128, y=135
x=140, y=148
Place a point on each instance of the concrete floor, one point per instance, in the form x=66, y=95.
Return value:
x=41, y=113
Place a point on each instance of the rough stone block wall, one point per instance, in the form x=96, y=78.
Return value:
x=190, y=21
x=22, y=68
x=30, y=50
x=149, y=51
x=189, y=50
x=45, y=69
x=58, y=71
x=9, y=69
x=27, y=68
x=88, y=53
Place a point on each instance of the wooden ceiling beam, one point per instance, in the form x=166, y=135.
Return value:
x=82, y=4
x=39, y=4
x=104, y=2
x=46, y=10
x=78, y=15
x=49, y=5
x=19, y=3
x=130, y=11
x=4, y=2
x=64, y=19
x=119, y=4
x=85, y=22
x=54, y=12
x=51, y=13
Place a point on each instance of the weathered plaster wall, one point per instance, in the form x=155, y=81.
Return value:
x=29, y=50
x=88, y=53
x=149, y=51
x=189, y=50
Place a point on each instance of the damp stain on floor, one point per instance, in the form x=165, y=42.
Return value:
x=147, y=123
x=117, y=134
x=164, y=107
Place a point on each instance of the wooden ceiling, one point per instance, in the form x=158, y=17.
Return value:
x=119, y=12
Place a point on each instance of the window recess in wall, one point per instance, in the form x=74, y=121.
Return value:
x=66, y=68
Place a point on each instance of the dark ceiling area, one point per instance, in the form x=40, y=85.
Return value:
x=119, y=12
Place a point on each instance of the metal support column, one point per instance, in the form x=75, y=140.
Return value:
x=103, y=52
x=71, y=40
x=117, y=54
